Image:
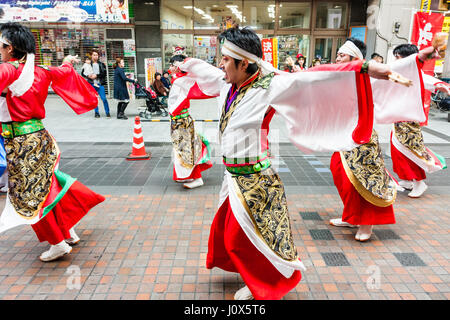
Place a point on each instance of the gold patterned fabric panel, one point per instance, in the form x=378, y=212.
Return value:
x=367, y=165
x=262, y=194
x=410, y=135
x=187, y=144
x=31, y=161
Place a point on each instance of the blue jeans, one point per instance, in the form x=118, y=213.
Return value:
x=101, y=92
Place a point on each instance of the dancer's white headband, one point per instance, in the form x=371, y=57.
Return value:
x=5, y=41
x=351, y=49
x=232, y=50
x=26, y=78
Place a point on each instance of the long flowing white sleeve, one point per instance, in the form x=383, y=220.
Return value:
x=324, y=110
x=394, y=102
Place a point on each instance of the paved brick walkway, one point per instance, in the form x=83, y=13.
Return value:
x=154, y=247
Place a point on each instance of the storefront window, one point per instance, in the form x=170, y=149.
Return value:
x=331, y=15
x=295, y=15
x=176, y=14
x=205, y=48
x=218, y=14
x=291, y=45
x=259, y=14
x=323, y=49
x=170, y=41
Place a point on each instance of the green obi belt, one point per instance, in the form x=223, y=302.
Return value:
x=15, y=129
x=183, y=114
x=249, y=165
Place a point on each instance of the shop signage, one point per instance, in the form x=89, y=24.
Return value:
x=270, y=51
x=99, y=11
x=152, y=65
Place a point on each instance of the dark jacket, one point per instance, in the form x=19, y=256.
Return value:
x=100, y=77
x=166, y=82
x=120, y=84
x=159, y=88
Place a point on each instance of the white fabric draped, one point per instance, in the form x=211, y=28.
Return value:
x=394, y=102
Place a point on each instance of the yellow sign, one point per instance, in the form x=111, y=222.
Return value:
x=425, y=6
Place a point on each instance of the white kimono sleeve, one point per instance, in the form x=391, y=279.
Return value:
x=202, y=81
x=394, y=102
x=431, y=83
x=322, y=109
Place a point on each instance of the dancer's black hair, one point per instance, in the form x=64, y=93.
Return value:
x=404, y=50
x=20, y=37
x=245, y=39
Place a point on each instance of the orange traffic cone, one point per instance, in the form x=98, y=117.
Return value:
x=138, y=151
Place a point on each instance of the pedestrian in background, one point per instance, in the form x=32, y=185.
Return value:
x=159, y=88
x=166, y=81
x=120, y=88
x=98, y=81
x=378, y=58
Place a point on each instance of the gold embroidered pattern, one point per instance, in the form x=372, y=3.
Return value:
x=365, y=168
x=410, y=135
x=31, y=161
x=186, y=142
x=263, y=196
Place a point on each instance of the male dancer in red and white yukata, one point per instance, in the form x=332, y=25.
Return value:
x=366, y=188
x=411, y=159
x=39, y=194
x=251, y=231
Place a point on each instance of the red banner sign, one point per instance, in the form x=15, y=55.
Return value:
x=270, y=51
x=425, y=25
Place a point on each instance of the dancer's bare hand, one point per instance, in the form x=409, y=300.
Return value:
x=428, y=53
x=71, y=59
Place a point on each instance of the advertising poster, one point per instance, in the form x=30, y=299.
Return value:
x=152, y=65
x=129, y=48
x=108, y=11
x=270, y=51
x=130, y=86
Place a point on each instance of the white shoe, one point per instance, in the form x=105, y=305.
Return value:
x=56, y=252
x=74, y=238
x=184, y=181
x=419, y=188
x=243, y=294
x=339, y=223
x=364, y=233
x=406, y=184
x=194, y=184
x=4, y=189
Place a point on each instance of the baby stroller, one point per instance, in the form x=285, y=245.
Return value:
x=154, y=107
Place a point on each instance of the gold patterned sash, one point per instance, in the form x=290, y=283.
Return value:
x=31, y=161
x=186, y=142
x=410, y=135
x=262, y=195
x=364, y=166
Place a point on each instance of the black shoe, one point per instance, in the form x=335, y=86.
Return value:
x=97, y=115
x=108, y=115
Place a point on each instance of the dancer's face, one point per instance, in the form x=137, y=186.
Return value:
x=6, y=52
x=342, y=58
x=234, y=74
